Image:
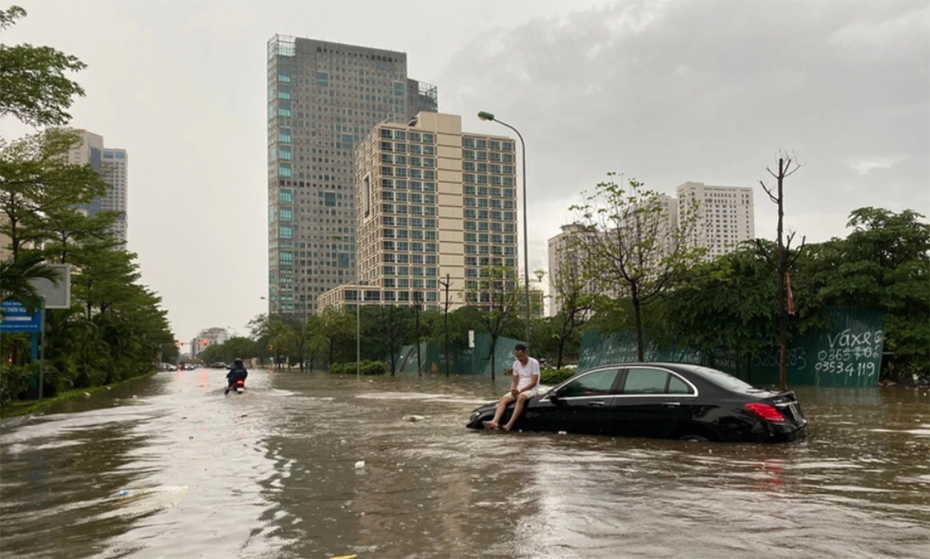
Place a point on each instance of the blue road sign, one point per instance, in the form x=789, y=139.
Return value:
x=16, y=319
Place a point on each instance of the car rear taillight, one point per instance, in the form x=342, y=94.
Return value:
x=765, y=411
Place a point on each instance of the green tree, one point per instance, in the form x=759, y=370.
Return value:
x=16, y=277
x=37, y=182
x=576, y=299
x=884, y=262
x=629, y=247
x=724, y=305
x=497, y=299
x=337, y=335
x=34, y=86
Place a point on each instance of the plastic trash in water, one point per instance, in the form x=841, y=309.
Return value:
x=360, y=464
x=413, y=418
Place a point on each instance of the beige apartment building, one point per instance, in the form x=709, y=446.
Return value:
x=726, y=216
x=434, y=202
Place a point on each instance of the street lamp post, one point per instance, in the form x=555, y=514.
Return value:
x=358, y=330
x=484, y=115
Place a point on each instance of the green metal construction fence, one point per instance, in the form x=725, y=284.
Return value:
x=462, y=360
x=847, y=353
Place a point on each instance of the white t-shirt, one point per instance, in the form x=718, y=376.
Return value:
x=525, y=373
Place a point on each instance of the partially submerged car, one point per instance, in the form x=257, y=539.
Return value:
x=660, y=400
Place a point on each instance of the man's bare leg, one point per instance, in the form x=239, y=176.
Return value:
x=517, y=410
x=501, y=407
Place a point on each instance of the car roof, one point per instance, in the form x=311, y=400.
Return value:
x=690, y=367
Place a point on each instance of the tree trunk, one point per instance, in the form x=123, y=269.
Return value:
x=638, y=316
x=446, y=320
x=493, y=351
x=782, y=271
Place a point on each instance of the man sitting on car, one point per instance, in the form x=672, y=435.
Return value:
x=524, y=386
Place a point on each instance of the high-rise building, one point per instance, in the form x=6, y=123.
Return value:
x=435, y=203
x=113, y=166
x=559, y=253
x=323, y=99
x=726, y=215
x=208, y=337
x=115, y=173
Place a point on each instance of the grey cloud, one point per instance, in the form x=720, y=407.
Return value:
x=710, y=91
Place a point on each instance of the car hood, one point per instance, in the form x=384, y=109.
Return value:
x=543, y=390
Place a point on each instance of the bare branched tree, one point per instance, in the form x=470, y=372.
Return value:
x=783, y=261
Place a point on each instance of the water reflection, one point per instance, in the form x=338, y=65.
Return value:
x=272, y=473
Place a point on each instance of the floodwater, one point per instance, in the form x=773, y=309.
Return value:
x=182, y=471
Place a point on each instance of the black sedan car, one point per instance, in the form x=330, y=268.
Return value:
x=660, y=400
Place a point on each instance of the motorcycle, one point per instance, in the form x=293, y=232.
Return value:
x=238, y=386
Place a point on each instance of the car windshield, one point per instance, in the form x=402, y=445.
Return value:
x=726, y=380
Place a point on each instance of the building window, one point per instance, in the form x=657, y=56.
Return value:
x=286, y=258
x=286, y=214
x=284, y=169
x=284, y=196
x=285, y=232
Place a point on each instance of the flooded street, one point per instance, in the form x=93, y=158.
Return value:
x=182, y=471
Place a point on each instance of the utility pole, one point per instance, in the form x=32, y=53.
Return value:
x=445, y=317
x=416, y=306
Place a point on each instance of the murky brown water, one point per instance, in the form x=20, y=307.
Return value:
x=272, y=474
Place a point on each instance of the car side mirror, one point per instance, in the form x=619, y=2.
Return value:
x=554, y=394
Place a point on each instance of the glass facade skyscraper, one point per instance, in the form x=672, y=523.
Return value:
x=323, y=99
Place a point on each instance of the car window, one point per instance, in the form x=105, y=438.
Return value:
x=725, y=380
x=591, y=384
x=678, y=386
x=645, y=381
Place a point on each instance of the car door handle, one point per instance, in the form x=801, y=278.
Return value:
x=671, y=404
x=597, y=404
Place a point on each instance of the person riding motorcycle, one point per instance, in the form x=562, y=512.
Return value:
x=237, y=372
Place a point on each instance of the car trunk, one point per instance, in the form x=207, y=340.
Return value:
x=787, y=403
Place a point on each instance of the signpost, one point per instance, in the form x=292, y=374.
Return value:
x=53, y=295
x=16, y=319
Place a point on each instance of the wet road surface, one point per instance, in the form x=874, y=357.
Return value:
x=182, y=471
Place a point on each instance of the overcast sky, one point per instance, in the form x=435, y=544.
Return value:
x=666, y=92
